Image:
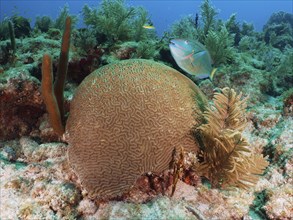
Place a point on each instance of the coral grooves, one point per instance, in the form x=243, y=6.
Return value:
x=125, y=119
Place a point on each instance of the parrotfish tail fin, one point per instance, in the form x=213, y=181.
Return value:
x=213, y=73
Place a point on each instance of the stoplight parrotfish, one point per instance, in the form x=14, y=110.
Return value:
x=192, y=57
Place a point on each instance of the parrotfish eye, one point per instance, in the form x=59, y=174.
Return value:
x=186, y=42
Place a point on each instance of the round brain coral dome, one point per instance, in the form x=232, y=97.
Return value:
x=125, y=119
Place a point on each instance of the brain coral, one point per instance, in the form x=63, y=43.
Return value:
x=125, y=120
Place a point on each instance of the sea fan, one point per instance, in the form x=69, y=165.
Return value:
x=225, y=157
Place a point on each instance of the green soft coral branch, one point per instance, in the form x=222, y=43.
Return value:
x=139, y=23
x=219, y=44
x=208, y=14
x=112, y=18
x=12, y=36
x=117, y=21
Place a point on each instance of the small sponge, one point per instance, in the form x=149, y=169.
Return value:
x=125, y=119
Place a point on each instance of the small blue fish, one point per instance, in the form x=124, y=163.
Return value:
x=192, y=57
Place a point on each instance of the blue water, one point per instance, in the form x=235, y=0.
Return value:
x=163, y=13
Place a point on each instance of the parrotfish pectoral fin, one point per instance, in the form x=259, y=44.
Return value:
x=200, y=56
x=202, y=76
x=200, y=53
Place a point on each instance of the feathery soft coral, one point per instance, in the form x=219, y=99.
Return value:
x=226, y=159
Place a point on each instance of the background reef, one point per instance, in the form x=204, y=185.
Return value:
x=35, y=179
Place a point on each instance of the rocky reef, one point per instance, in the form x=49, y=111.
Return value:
x=37, y=180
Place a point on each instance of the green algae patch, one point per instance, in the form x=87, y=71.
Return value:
x=256, y=211
x=18, y=165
